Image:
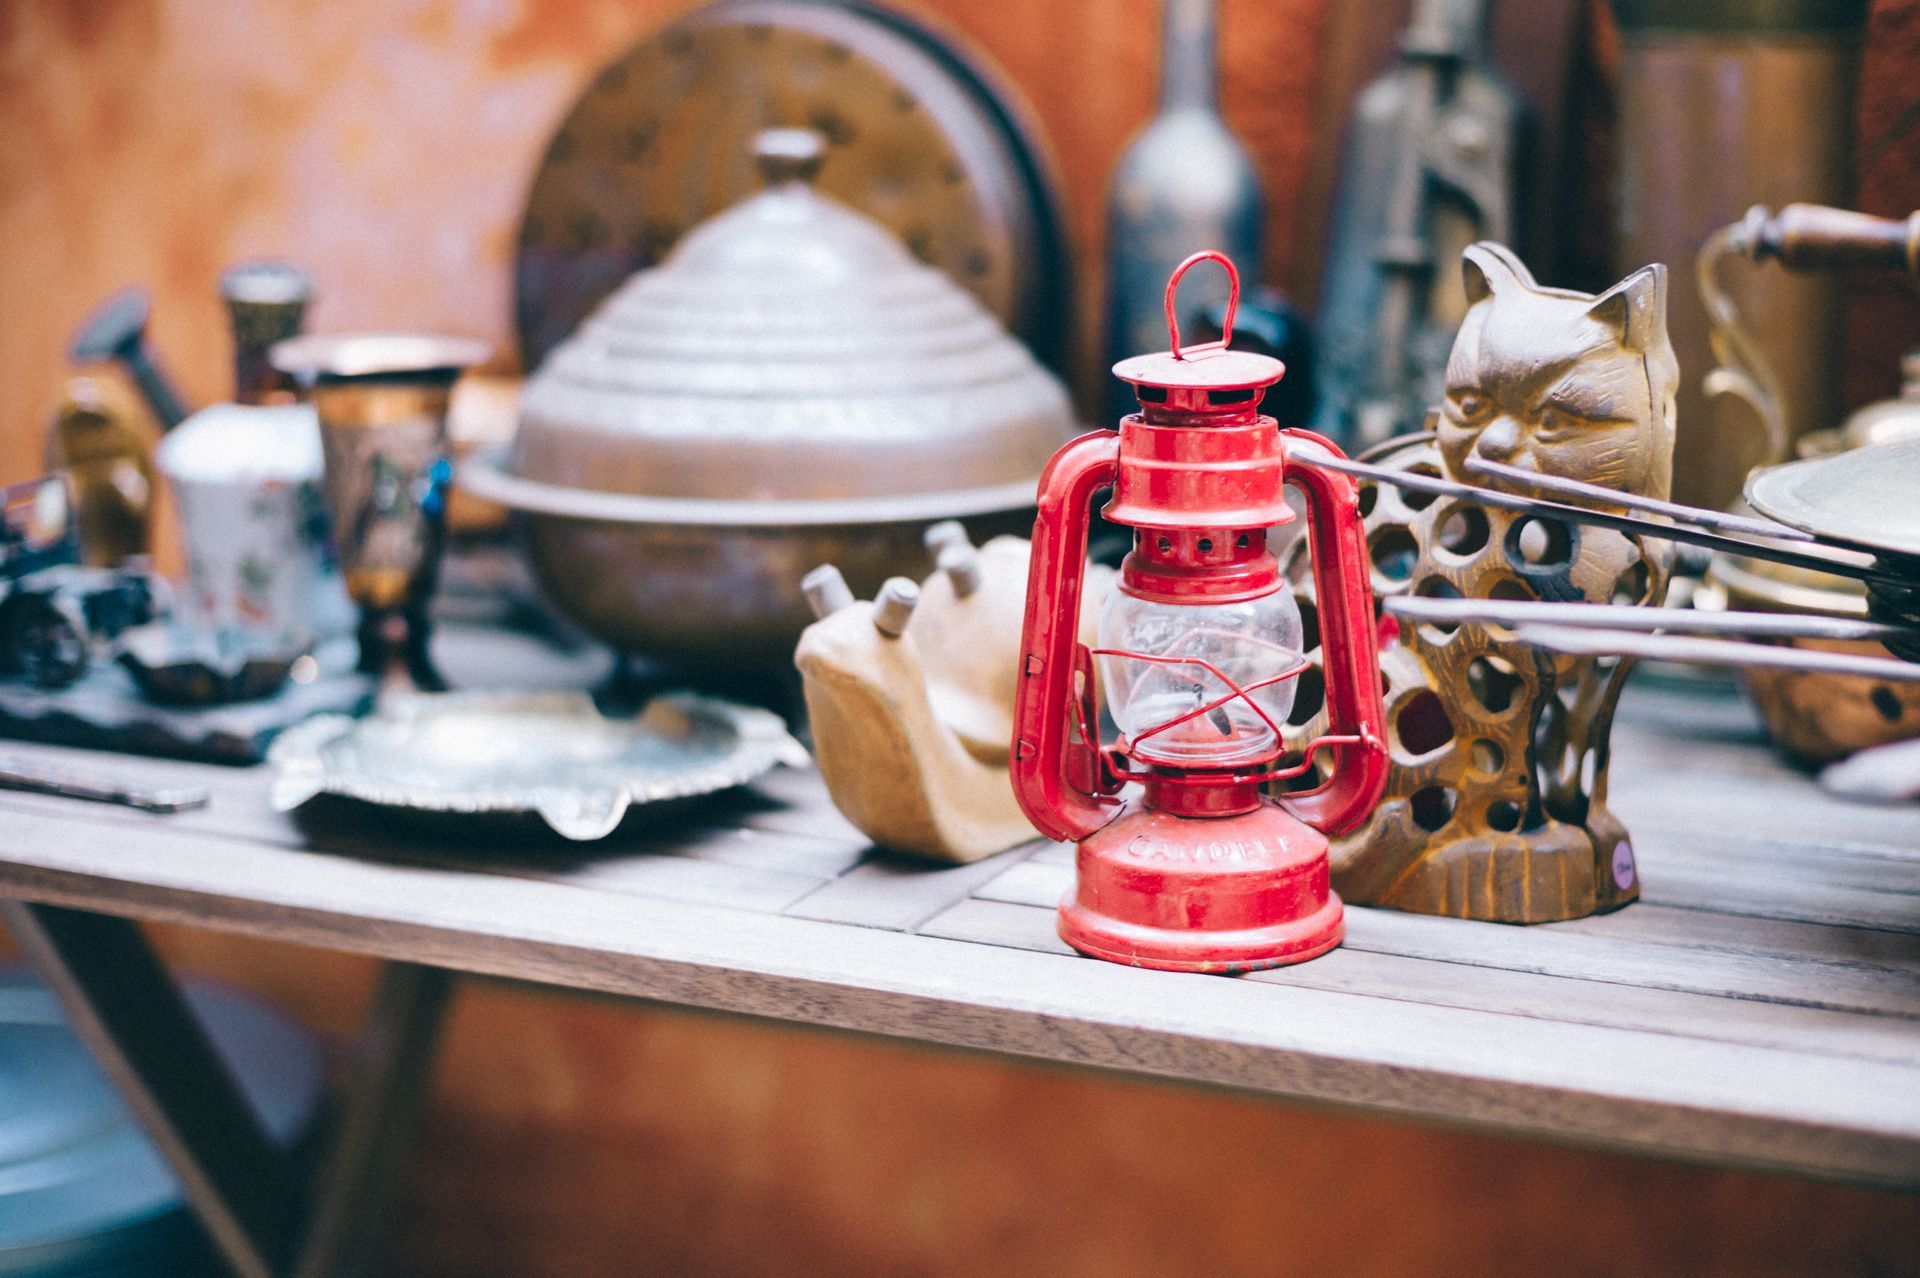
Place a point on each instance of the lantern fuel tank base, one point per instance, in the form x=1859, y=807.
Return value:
x=1228, y=894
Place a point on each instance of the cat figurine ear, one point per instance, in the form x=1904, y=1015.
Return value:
x=1488, y=268
x=1636, y=307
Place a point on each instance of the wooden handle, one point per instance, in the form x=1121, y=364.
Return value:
x=1815, y=237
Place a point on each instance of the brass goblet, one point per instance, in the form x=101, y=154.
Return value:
x=382, y=402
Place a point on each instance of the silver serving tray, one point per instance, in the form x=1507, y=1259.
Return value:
x=550, y=753
x=1866, y=497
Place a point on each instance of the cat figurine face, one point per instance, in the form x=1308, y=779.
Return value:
x=1560, y=382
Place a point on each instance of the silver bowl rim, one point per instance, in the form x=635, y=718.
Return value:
x=486, y=475
x=345, y=356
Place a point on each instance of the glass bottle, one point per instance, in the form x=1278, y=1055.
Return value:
x=1185, y=182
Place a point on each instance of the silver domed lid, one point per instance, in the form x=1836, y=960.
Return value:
x=789, y=348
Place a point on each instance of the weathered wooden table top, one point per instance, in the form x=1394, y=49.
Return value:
x=1760, y=1006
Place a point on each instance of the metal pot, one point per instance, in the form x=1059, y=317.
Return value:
x=714, y=585
x=789, y=387
x=1822, y=717
x=1814, y=717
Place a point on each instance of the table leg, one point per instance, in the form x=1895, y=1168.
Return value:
x=378, y=1120
x=130, y=1014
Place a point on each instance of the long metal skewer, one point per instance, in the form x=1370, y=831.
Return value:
x=1717, y=652
x=1585, y=616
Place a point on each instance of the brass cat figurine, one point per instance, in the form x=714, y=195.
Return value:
x=1496, y=804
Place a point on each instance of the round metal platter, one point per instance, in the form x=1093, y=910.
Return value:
x=920, y=138
x=81, y=1189
x=550, y=753
x=1866, y=497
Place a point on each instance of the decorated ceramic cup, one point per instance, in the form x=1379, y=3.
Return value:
x=246, y=479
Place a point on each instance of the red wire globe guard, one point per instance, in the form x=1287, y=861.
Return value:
x=1202, y=872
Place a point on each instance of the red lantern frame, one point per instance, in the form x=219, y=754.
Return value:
x=1197, y=473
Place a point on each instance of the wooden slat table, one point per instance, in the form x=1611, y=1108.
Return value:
x=1759, y=1008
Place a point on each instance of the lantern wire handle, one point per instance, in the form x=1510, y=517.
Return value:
x=1233, y=303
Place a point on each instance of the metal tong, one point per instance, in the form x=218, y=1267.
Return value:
x=1583, y=629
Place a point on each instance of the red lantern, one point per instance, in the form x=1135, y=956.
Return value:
x=1198, y=651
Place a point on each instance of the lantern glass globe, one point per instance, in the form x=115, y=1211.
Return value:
x=1162, y=661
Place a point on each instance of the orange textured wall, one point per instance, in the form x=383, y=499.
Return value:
x=387, y=145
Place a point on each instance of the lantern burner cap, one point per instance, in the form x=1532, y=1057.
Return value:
x=1201, y=368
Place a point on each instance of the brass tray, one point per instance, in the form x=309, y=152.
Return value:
x=549, y=753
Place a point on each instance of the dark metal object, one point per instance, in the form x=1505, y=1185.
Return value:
x=1430, y=162
x=1267, y=323
x=51, y=621
x=382, y=401
x=117, y=331
x=18, y=775
x=266, y=303
x=1184, y=181
x=923, y=138
x=43, y=638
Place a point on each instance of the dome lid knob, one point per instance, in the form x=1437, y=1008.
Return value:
x=789, y=155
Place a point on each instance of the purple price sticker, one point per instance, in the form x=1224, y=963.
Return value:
x=1623, y=864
